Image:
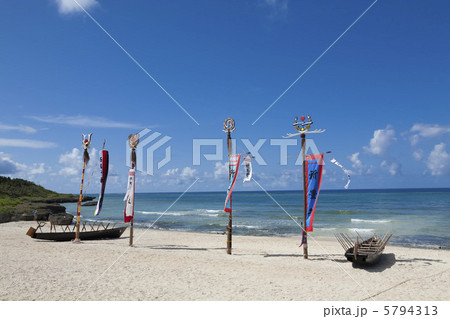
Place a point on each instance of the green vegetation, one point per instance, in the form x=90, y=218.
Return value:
x=20, y=188
x=20, y=197
x=9, y=202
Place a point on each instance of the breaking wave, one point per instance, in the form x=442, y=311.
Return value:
x=356, y=220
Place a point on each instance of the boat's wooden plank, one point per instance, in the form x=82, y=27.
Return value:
x=342, y=242
x=349, y=241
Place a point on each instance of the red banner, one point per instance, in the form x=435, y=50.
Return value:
x=128, y=213
x=234, y=168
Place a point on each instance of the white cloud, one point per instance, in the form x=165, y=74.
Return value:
x=171, y=172
x=175, y=176
x=20, y=128
x=11, y=142
x=71, y=6
x=356, y=162
x=438, y=160
x=284, y=179
x=393, y=168
x=68, y=171
x=9, y=167
x=427, y=131
x=188, y=173
x=36, y=168
x=221, y=170
x=278, y=7
x=414, y=139
x=418, y=154
x=82, y=120
x=358, y=167
x=287, y=178
x=73, y=162
x=430, y=130
x=381, y=141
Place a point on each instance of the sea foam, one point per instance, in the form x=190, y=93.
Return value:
x=355, y=220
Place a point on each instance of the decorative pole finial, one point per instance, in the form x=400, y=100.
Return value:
x=86, y=141
x=228, y=125
x=302, y=126
x=133, y=141
x=86, y=144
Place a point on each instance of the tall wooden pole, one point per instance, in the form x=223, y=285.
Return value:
x=230, y=216
x=133, y=141
x=133, y=166
x=86, y=142
x=305, y=244
x=80, y=199
x=131, y=233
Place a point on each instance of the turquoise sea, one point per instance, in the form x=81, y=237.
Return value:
x=416, y=217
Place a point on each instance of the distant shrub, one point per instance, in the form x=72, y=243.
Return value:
x=9, y=202
x=16, y=188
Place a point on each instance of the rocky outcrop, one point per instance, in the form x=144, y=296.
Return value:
x=41, y=216
x=32, y=211
x=68, y=199
x=89, y=204
x=61, y=219
x=24, y=200
x=5, y=217
x=22, y=216
x=49, y=208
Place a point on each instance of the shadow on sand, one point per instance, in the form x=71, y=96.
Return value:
x=176, y=247
x=339, y=258
x=334, y=257
x=386, y=261
x=283, y=255
x=426, y=261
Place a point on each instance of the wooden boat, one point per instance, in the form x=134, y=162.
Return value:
x=92, y=231
x=366, y=252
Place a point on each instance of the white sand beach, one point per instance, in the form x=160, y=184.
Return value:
x=179, y=266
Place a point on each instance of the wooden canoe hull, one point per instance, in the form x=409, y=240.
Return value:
x=363, y=258
x=84, y=235
x=367, y=252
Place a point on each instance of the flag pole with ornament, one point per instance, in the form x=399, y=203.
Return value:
x=86, y=143
x=233, y=167
x=312, y=177
x=133, y=141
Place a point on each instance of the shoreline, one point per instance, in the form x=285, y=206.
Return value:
x=321, y=237
x=167, y=265
x=257, y=215
x=137, y=225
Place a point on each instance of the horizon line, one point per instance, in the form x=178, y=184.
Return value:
x=291, y=190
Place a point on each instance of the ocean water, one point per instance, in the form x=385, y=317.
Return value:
x=416, y=217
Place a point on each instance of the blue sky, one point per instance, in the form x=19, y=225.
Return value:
x=380, y=89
